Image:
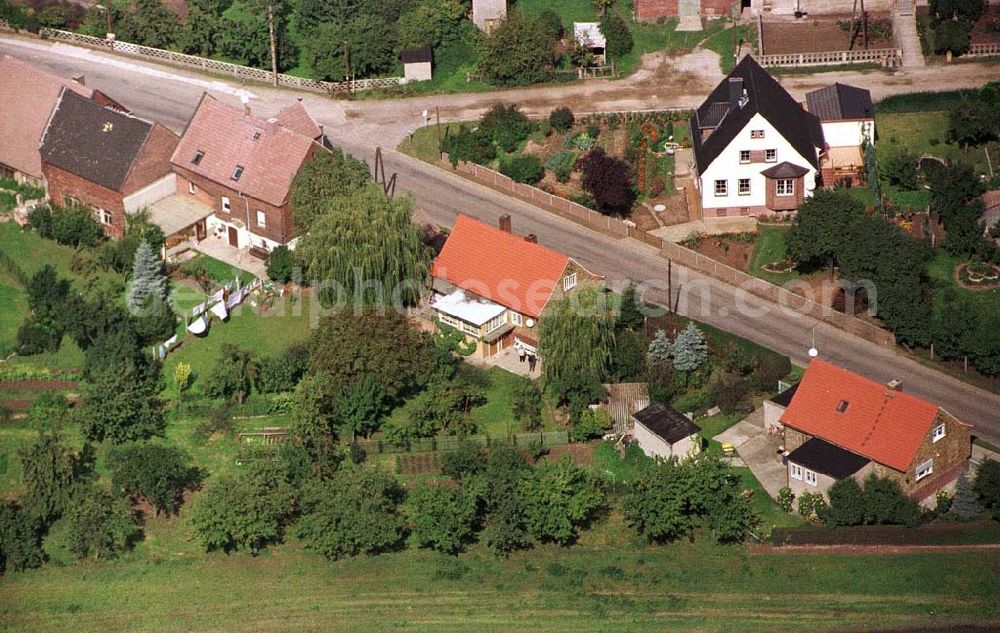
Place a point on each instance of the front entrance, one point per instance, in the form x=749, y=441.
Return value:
x=233, y=240
x=200, y=232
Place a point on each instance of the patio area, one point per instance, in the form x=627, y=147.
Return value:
x=222, y=251
x=757, y=450
x=508, y=359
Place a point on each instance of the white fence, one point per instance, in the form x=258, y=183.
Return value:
x=983, y=50
x=884, y=56
x=151, y=193
x=224, y=68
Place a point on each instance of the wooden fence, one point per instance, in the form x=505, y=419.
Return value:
x=448, y=443
x=682, y=255
x=884, y=56
x=236, y=71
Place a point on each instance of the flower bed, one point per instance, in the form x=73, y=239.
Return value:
x=979, y=275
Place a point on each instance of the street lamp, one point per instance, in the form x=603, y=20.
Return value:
x=813, y=352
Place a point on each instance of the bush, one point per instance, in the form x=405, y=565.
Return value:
x=880, y=501
x=987, y=486
x=785, y=499
x=467, y=145
x=951, y=35
x=561, y=165
x=283, y=372
x=526, y=404
x=561, y=119
x=590, y=423
x=900, y=169
x=619, y=37
x=444, y=519
x=524, y=169
x=505, y=125
x=98, y=524
x=551, y=24
x=729, y=392
x=281, y=264
x=607, y=179
x=812, y=506
x=155, y=472
x=72, y=226
x=468, y=458
x=20, y=539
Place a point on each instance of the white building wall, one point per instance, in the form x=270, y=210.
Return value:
x=848, y=133
x=655, y=446
x=166, y=186
x=244, y=237
x=416, y=71
x=727, y=166
x=772, y=414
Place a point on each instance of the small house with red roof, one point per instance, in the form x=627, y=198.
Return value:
x=493, y=285
x=241, y=168
x=839, y=424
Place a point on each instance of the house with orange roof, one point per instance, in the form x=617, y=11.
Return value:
x=839, y=424
x=493, y=286
x=240, y=168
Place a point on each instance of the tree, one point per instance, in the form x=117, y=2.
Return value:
x=247, y=511
x=900, y=169
x=283, y=371
x=467, y=459
x=328, y=175
x=526, y=404
x=182, y=377
x=518, y=52
x=360, y=407
x=606, y=179
x=951, y=36
x=506, y=125
x=150, y=291
x=886, y=503
x=561, y=119
x=155, y=472
x=198, y=33
x=506, y=528
x=973, y=121
x=437, y=23
x=72, y=226
x=234, y=374
x=366, y=251
x=660, y=348
x=561, y=499
x=524, y=169
x=362, y=45
x=444, y=406
x=987, y=486
x=98, y=524
x=690, y=350
x=551, y=23
x=385, y=346
x=819, y=227
x=469, y=145
x=20, y=539
x=576, y=342
x=357, y=512
x=281, y=264
x=444, y=518
x=629, y=313
x=657, y=505
x=313, y=425
x=244, y=36
x=48, y=470
x=629, y=360
x=967, y=10
x=618, y=36
x=147, y=23
x=590, y=423
x=965, y=504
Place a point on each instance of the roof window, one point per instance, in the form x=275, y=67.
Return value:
x=842, y=406
x=196, y=159
x=237, y=172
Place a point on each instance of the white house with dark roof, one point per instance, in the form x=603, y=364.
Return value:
x=757, y=151
x=847, y=117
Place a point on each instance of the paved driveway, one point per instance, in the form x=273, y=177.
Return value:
x=757, y=450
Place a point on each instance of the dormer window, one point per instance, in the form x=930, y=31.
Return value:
x=196, y=159
x=237, y=172
x=256, y=135
x=842, y=406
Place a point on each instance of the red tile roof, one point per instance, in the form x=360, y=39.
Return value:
x=499, y=266
x=297, y=119
x=879, y=423
x=27, y=96
x=269, y=154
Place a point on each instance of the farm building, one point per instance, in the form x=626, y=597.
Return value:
x=417, y=64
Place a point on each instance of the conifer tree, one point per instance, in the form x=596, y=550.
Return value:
x=149, y=292
x=660, y=348
x=690, y=349
x=965, y=504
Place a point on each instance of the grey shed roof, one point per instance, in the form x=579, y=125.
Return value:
x=823, y=457
x=764, y=95
x=417, y=55
x=840, y=102
x=92, y=141
x=666, y=422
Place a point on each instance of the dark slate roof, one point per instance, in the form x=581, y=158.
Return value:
x=92, y=141
x=841, y=103
x=416, y=55
x=823, y=457
x=764, y=95
x=666, y=422
x=784, y=170
x=785, y=397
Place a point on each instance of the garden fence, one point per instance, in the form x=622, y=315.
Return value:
x=884, y=56
x=211, y=65
x=680, y=254
x=448, y=443
x=983, y=50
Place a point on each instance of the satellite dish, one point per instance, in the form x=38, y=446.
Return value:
x=530, y=323
x=813, y=352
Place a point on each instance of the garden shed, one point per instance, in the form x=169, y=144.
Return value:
x=589, y=36
x=662, y=431
x=417, y=64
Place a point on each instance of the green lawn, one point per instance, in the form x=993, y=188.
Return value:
x=610, y=581
x=724, y=42
x=923, y=133
x=770, y=247
x=15, y=308
x=941, y=270
x=423, y=143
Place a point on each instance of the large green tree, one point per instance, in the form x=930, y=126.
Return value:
x=362, y=46
x=818, y=230
x=328, y=175
x=434, y=23
x=20, y=539
x=150, y=290
x=519, y=51
x=365, y=250
x=234, y=374
x=48, y=470
x=157, y=473
x=99, y=524
x=561, y=498
x=444, y=518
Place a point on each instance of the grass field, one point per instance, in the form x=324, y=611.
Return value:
x=611, y=581
x=923, y=133
x=941, y=270
x=770, y=247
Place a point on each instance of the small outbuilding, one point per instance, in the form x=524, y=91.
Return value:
x=662, y=431
x=589, y=36
x=486, y=14
x=417, y=64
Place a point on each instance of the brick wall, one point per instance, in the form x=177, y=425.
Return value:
x=63, y=184
x=716, y=7
x=655, y=9
x=154, y=159
x=950, y=455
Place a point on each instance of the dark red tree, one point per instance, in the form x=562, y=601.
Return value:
x=607, y=179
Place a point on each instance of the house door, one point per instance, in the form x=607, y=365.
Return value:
x=200, y=231
x=233, y=241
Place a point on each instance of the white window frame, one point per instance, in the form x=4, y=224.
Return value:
x=495, y=323
x=809, y=477
x=924, y=469
x=744, y=152
x=192, y=188
x=449, y=320
x=468, y=328
x=226, y=205
x=784, y=187
x=71, y=201
x=569, y=282
x=103, y=216
x=773, y=153
x=756, y=133
x=938, y=433
x=261, y=219
x=721, y=188
x=516, y=319
x=739, y=186
x=795, y=471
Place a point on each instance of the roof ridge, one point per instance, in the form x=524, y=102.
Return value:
x=877, y=418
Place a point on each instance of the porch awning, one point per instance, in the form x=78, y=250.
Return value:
x=175, y=213
x=474, y=311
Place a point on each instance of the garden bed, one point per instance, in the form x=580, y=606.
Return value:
x=821, y=35
x=933, y=534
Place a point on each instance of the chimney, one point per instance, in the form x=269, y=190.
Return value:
x=531, y=237
x=735, y=91
x=505, y=223
x=894, y=385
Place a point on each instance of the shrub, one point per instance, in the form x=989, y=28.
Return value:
x=20, y=539
x=505, y=125
x=561, y=499
x=467, y=145
x=72, y=226
x=155, y=472
x=590, y=423
x=561, y=165
x=283, y=372
x=561, y=119
x=953, y=36
x=785, y=499
x=98, y=524
x=468, y=458
x=607, y=179
x=618, y=36
x=812, y=506
x=281, y=264
x=444, y=519
x=526, y=404
x=729, y=392
x=524, y=169
x=987, y=486
x=768, y=369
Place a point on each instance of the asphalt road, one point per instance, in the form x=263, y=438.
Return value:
x=170, y=97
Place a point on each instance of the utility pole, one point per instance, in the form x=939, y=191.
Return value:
x=670, y=285
x=437, y=113
x=274, y=45
x=347, y=61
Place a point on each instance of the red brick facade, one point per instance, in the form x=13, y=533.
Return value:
x=784, y=203
x=66, y=189
x=154, y=160
x=655, y=9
